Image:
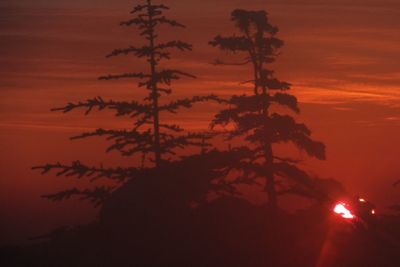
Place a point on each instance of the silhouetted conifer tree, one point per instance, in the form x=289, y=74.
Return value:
x=154, y=139
x=253, y=115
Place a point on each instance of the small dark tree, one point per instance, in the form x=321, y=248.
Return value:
x=253, y=115
x=149, y=137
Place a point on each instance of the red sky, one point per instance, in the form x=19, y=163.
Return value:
x=341, y=56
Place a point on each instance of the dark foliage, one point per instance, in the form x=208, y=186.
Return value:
x=175, y=210
x=253, y=115
x=155, y=141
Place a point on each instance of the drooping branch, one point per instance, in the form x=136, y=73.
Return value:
x=132, y=108
x=164, y=20
x=77, y=169
x=146, y=51
x=274, y=128
x=188, y=102
x=232, y=43
x=129, y=146
x=139, y=52
x=286, y=129
x=96, y=196
x=166, y=76
x=135, y=21
x=182, y=46
x=287, y=100
x=138, y=8
x=243, y=106
x=123, y=76
x=172, y=127
x=126, y=142
x=273, y=84
x=292, y=172
x=115, y=134
x=171, y=142
x=130, y=142
x=288, y=160
x=244, y=122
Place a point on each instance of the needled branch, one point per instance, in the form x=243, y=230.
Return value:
x=252, y=117
x=188, y=102
x=96, y=196
x=79, y=170
x=150, y=136
x=132, y=109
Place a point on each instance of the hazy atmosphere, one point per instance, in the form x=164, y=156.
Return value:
x=340, y=56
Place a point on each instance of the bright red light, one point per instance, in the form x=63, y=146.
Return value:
x=341, y=209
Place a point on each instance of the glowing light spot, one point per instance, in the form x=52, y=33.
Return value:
x=373, y=212
x=361, y=200
x=341, y=209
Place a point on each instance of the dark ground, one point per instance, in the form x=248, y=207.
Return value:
x=149, y=223
x=229, y=232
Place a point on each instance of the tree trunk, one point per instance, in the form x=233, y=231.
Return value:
x=269, y=157
x=270, y=186
x=156, y=122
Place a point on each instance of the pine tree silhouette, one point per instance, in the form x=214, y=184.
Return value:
x=150, y=137
x=253, y=115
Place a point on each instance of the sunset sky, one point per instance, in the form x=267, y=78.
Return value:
x=342, y=57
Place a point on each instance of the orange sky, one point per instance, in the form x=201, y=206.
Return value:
x=341, y=56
